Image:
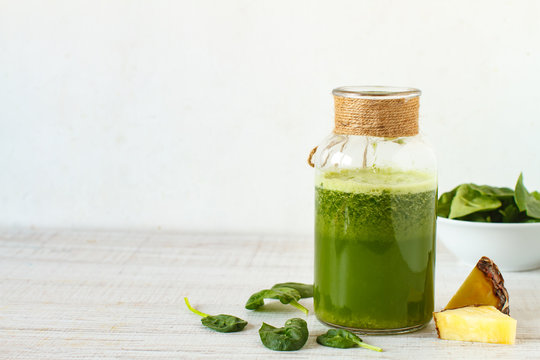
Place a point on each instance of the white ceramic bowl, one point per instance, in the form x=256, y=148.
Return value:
x=513, y=247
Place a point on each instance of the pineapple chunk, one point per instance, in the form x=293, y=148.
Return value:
x=483, y=286
x=476, y=323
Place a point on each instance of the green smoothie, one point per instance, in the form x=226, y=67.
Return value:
x=375, y=248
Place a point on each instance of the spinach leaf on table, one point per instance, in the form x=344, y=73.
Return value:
x=525, y=201
x=285, y=295
x=221, y=323
x=343, y=339
x=224, y=323
x=305, y=290
x=469, y=199
x=290, y=337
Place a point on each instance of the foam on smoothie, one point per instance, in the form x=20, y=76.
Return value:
x=376, y=180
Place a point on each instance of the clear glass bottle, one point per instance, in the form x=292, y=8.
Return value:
x=375, y=214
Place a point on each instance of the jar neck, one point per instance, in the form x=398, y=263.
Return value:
x=376, y=111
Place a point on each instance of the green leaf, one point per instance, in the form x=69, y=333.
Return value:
x=486, y=216
x=288, y=338
x=484, y=203
x=305, y=290
x=222, y=323
x=343, y=339
x=525, y=201
x=510, y=213
x=469, y=199
x=501, y=193
x=285, y=295
x=521, y=194
x=443, y=205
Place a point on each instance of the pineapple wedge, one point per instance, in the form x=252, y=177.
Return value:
x=476, y=323
x=483, y=286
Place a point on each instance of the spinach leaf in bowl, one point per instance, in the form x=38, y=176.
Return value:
x=445, y=201
x=484, y=203
x=510, y=213
x=469, y=199
x=525, y=201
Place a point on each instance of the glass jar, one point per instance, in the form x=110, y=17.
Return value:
x=375, y=214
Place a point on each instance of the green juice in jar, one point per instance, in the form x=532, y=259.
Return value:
x=375, y=248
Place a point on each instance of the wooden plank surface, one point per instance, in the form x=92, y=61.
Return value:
x=101, y=295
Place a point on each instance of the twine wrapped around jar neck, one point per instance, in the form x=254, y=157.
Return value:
x=380, y=115
x=379, y=111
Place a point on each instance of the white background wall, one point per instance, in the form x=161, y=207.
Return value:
x=199, y=115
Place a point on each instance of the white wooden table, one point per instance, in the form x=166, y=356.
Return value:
x=101, y=295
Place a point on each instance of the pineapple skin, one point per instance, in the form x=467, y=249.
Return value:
x=476, y=323
x=483, y=286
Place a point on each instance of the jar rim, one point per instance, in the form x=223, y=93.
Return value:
x=376, y=92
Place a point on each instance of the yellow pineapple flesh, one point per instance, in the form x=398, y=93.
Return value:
x=483, y=286
x=476, y=323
